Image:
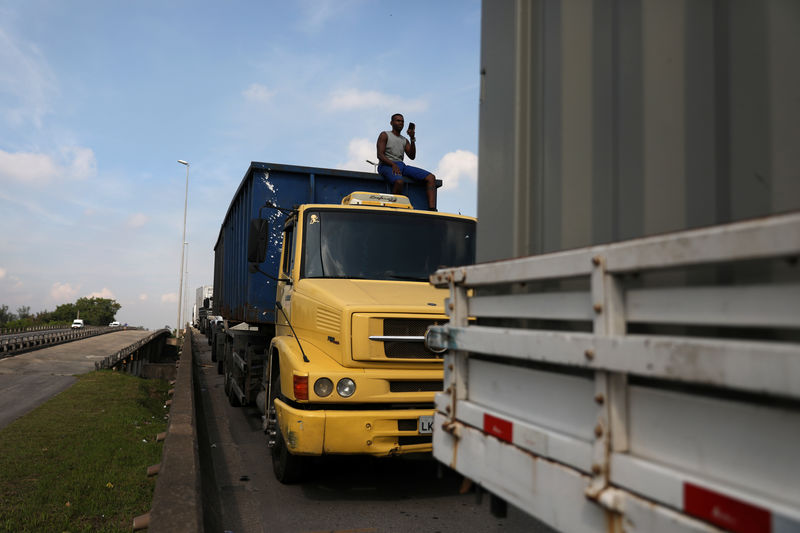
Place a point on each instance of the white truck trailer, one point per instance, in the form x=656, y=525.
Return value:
x=626, y=354
x=612, y=427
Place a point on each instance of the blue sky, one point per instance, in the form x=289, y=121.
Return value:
x=99, y=99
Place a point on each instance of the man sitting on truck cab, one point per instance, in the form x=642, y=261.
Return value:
x=392, y=147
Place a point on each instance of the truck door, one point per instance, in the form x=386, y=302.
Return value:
x=284, y=291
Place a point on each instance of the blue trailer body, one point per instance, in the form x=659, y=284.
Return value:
x=245, y=294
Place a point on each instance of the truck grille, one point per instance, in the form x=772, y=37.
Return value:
x=328, y=321
x=408, y=327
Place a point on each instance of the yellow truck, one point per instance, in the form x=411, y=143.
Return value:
x=338, y=364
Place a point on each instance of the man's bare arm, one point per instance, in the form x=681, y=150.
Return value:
x=411, y=147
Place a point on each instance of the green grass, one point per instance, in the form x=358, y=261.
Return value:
x=79, y=461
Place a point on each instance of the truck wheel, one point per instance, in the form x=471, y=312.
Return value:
x=288, y=468
x=213, y=352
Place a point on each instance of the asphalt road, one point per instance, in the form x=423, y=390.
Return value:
x=29, y=379
x=351, y=494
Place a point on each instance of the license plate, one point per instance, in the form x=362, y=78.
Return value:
x=426, y=425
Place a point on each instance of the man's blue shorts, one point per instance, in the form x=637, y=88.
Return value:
x=408, y=171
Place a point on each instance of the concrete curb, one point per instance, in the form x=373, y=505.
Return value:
x=177, y=504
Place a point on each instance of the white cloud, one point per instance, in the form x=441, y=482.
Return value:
x=105, y=293
x=258, y=93
x=350, y=99
x=27, y=167
x=39, y=169
x=26, y=81
x=358, y=151
x=143, y=297
x=137, y=220
x=63, y=292
x=316, y=14
x=455, y=167
x=35, y=207
x=83, y=164
x=170, y=297
x=13, y=281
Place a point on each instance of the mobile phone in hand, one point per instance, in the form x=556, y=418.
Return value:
x=411, y=126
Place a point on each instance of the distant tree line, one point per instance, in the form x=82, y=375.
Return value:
x=93, y=311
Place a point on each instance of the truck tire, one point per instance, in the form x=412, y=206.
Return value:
x=213, y=351
x=288, y=468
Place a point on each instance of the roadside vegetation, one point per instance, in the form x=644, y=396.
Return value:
x=79, y=461
x=94, y=312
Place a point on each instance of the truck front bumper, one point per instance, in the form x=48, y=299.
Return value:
x=376, y=432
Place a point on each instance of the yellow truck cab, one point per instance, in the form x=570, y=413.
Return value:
x=348, y=370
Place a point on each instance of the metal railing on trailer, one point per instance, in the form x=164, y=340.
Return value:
x=643, y=385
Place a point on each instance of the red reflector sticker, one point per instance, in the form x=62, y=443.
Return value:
x=729, y=513
x=502, y=429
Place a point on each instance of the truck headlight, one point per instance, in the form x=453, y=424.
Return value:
x=346, y=387
x=323, y=387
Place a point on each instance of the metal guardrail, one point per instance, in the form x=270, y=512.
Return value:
x=9, y=331
x=112, y=360
x=17, y=344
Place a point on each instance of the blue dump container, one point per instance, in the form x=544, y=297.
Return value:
x=243, y=292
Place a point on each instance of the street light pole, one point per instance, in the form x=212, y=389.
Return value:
x=183, y=241
x=187, y=298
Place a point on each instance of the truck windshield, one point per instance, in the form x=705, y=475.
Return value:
x=384, y=245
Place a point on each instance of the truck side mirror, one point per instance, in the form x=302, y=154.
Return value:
x=257, y=240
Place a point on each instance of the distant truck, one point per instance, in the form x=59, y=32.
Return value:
x=625, y=356
x=77, y=323
x=202, y=307
x=204, y=316
x=321, y=277
x=213, y=323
